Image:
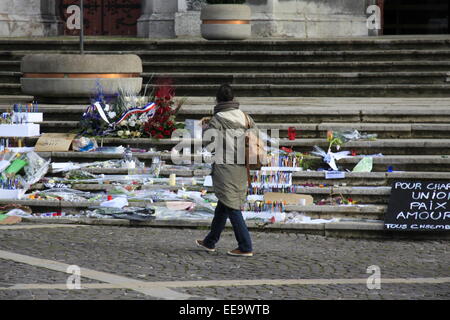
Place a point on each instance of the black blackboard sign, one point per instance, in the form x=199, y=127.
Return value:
x=419, y=206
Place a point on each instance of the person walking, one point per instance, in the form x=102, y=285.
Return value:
x=230, y=180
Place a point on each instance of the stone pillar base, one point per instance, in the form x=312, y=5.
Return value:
x=187, y=24
x=157, y=25
x=297, y=26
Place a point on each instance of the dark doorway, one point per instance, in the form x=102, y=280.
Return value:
x=106, y=17
x=416, y=17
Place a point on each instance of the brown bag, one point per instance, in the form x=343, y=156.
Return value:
x=255, y=154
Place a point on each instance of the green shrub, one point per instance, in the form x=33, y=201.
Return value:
x=225, y=1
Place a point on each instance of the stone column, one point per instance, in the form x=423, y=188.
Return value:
x=158, y=19
x=20, y=18
x=187, y=18
x=263, y=18
x=50, y=14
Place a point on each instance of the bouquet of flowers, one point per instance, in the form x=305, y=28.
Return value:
x=130, y=116
x=97, y=119
x=163, y=124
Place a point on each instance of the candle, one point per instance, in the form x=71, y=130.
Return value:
x=172, y=180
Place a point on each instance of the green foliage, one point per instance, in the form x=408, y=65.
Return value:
x=225, y=1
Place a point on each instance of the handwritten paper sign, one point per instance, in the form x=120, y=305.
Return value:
x=419, y=206
x=49, y=142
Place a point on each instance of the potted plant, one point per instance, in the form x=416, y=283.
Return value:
x=226, y=20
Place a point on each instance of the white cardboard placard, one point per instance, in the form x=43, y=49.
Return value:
x=20, y=130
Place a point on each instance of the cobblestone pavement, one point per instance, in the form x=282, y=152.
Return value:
x=150, y=254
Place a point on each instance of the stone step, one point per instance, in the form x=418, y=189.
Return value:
x=6, y=65
x=436, y=42
x=369, y=212
x=286, y=78
x=296, y=67
x=10, y=89
x=303, y=177
x=316, y=130
x=221, y=66
x=360, y=194
x=10, y=76
x=359, y=78
x=257, y=55
x=279, y=110
x=384, y=146
x=284, y=90
x=319, y=90
x=11, y=99
x=431, y=163
x=290, y=90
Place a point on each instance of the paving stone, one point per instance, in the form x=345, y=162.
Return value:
x=171, y=255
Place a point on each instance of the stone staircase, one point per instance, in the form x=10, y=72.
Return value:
x=395, y=88
x=413, y=136
x=359, y=67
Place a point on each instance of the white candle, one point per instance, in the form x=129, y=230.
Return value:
x=172, y=179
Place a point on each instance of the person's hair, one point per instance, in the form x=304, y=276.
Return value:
x=225, y=93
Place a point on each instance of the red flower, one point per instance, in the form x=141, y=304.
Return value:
x=153, y=132
x=167, y=132
x=159, y=136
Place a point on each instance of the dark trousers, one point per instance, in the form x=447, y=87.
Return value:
x=221, y=214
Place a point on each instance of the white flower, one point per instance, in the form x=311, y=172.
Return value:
x=124, y=123
x=106, y=107
x=112, y=114
x=131, y=123
x=127, y=133
x=120, y=133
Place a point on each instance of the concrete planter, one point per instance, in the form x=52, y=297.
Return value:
x=75, y=75
x=226, y=22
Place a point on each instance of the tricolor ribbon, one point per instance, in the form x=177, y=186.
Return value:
x=149, y=108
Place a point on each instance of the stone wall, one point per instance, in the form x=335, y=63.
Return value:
x=309, y=18
x=29, y=18
x=288, y=18
x=181, y=18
